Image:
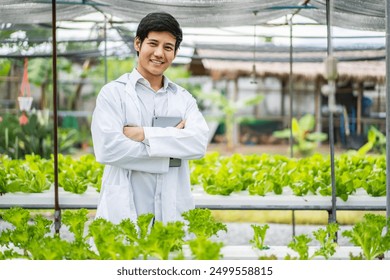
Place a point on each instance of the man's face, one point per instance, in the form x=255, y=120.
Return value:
x=155, y=54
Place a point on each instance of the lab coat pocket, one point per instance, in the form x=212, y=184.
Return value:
x=117, y=203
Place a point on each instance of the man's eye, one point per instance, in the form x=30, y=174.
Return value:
x=168, y=48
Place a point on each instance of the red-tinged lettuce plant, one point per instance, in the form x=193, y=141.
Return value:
x=371, y=235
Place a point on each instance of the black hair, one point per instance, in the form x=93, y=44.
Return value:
x=159, y=21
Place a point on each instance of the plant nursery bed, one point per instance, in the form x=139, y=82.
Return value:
x=286, y=201
x=45, y=200
x=234, y=201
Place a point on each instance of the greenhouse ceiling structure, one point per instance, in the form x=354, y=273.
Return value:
x=356, y=14
x=121, y=16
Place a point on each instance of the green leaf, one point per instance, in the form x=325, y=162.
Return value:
x=300, y=244
x=164, y=238
x=307, y=122
x=370, y=235
x=296, y=130
x=204, y=249
x=75, y=220
x=259, y=236
x=202, y=223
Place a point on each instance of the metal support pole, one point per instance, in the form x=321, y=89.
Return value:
x=57, y=210
x=291, y=93
x=332, y=218
x=290, y=87
x=105, y=50
x=293, y=222
x=387, y=109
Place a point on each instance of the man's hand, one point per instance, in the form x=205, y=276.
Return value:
x=135, y=133
x=181, y=124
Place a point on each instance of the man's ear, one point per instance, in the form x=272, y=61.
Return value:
x=137, y=44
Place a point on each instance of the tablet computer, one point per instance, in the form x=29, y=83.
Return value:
x=165, y=121
x=168, y=122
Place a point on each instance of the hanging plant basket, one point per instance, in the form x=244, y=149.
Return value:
x=25, y=103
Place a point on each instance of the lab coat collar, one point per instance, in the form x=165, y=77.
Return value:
x=134, y=77
x=169, y=85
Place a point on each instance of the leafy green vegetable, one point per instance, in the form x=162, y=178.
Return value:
x=262, y=174
x=163, y=239
x=205, y=249
x=49, y=248
x=24, y=234
x=202, y=223
x=110, y=242
x=76, y=220
x=326, y=238
x=259, y=236
x=371, y=235
x=300, y=244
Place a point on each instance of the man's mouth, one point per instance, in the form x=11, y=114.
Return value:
x=158, y=62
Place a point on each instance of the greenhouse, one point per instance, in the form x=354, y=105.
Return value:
x=294, y=97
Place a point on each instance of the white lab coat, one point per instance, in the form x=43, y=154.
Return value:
x=116, y=106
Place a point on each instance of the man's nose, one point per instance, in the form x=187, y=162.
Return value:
x=158, y=51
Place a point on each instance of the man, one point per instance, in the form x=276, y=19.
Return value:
x=147, y=166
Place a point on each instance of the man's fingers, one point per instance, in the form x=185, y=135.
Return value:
x=181, y=124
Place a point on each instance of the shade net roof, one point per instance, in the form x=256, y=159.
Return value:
x=235, y=56
x=356, y=14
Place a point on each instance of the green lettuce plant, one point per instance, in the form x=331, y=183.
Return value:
x=326, y=237
x=202, y=223
x=204, y=249
x=259, y=236
x=371, y=235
